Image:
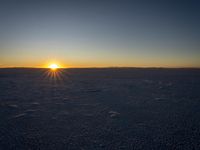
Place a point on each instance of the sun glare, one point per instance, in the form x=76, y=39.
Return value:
x=53, y=66
x=54, y=72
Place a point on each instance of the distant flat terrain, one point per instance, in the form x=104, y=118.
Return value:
x=100, y=109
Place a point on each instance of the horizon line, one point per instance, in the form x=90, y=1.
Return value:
x=102, y=68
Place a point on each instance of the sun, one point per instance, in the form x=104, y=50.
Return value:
x=53, y=66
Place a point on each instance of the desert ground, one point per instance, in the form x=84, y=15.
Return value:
x=100, y=109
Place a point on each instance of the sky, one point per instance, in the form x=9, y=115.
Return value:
x=100, y=33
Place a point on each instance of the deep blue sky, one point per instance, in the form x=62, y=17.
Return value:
x=91, y=33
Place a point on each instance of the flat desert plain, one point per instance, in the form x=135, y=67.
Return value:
x=100, y=109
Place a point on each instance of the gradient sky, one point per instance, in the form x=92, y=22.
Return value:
x=98, y=33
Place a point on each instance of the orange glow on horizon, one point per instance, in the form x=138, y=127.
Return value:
x=55, y=64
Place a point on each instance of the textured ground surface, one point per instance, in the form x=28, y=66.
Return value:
x=96, y=109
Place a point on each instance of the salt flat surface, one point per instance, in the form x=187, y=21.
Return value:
x=96, y=109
